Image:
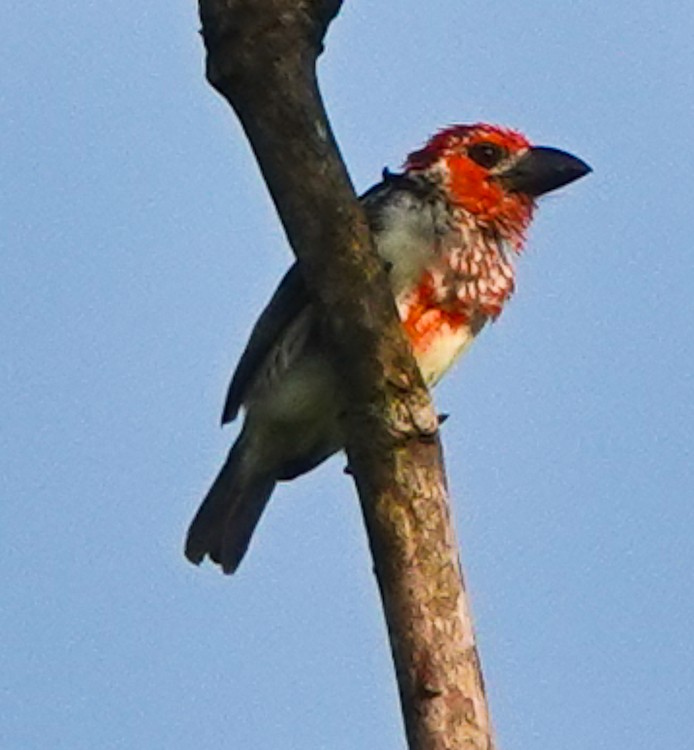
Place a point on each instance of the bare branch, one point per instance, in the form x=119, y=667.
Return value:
x=261, y=58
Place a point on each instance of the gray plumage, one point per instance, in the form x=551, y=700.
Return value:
x=286, y=385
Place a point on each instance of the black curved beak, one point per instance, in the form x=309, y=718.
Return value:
x=542, y=169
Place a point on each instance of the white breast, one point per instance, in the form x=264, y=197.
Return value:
x=442, y=352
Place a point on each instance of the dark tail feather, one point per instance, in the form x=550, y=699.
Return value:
x=223, y=526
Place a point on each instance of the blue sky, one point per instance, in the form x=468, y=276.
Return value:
x=137, y=247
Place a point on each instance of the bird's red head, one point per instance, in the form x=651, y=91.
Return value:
x=494, y=173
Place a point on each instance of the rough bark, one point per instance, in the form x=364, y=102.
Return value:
x=262, y=59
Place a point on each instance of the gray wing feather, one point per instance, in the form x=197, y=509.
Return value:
x=288, y=301
x=287, y=323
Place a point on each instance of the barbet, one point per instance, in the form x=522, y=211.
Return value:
x=448, y=227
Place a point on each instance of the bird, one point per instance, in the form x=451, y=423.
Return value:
x=448, y=228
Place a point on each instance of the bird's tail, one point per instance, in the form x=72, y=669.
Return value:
x=224, y=524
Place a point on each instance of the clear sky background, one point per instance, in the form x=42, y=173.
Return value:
x=137, y=247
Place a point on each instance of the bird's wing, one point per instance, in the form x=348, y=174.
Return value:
x=288, y=302
x=286, y=323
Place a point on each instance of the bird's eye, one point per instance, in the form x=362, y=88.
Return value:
x=486, y=154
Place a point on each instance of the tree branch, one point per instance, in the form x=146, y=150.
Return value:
x=262, y=59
